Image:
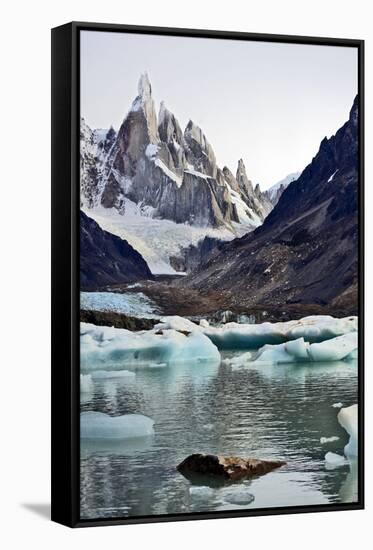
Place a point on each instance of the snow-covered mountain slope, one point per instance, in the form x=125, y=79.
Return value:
x=274, y=193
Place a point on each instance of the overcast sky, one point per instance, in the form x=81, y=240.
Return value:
x=270, y=104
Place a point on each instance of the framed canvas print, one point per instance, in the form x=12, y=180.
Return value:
x=207, y=277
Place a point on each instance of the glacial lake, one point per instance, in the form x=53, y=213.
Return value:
x=278, y=411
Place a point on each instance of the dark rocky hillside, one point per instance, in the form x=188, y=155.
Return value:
x=106, y=259
x=306, y=250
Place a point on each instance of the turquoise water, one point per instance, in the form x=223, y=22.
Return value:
x=278, y=411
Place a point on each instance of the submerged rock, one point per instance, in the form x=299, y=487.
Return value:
x=226, y=467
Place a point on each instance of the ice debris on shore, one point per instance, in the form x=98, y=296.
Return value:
x=313, y=329
x=98, y=425
x=348, y=419
x=101, y=345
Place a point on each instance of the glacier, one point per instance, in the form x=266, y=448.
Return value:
x=135, y=304
x=348, y=419
x=98, y=425
x=157, y=240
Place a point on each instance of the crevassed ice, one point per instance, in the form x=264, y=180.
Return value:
x=98, y=425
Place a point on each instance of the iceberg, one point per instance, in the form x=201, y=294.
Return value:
x=98, y=425
x=348, y=419
x=298, y=350
x=108, y=345
x=239, y=496
x=313, y=329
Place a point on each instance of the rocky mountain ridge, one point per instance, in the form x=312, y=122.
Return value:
x=306, y=250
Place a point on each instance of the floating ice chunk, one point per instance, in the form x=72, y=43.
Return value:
x=239, y=361
x=338, y=405
x=324, y=440
x=201, y=491
x=106, y=374
x=299, y=351
x=174, y=322
x=334, y=460
x=313, y=329
x=241, y=497
x=86, y=384
x=348, y=419
x=99, y=425
x=155, y=346
x=204, y=323
x=335, y=349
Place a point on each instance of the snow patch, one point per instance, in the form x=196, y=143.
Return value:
x=332, y=176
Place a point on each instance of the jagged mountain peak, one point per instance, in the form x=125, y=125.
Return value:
x=171, y=172
x=144, y=87
x=241, y=177
x=257, y=190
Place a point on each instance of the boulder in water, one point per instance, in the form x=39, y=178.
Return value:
x=226, y=467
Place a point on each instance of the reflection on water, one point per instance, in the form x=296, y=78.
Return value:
x=278, y=411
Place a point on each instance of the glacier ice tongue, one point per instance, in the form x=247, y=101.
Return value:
x=98, y=425
x=348, y=419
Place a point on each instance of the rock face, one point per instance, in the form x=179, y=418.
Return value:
x=274, y=193
x=226, y=467
x=172, y=174
x=306, y=250
x=107, y=259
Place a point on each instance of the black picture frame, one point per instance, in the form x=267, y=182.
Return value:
x=65, y=270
